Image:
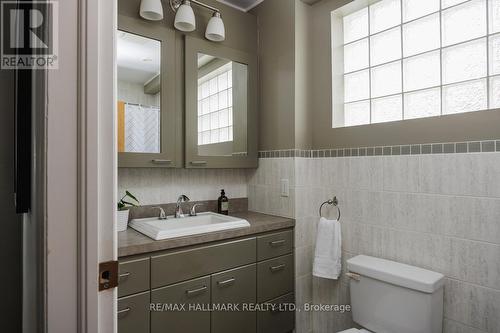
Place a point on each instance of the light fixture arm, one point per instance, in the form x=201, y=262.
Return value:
x=175, y=4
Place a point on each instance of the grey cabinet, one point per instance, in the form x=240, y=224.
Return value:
x=175, y=266
x=133, y=313
x=232, y=291
x=210, y=288
x=193, y=297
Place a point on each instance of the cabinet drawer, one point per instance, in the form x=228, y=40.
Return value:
x=236, y=286
x=274, y=245
x=190, y=293
x=133, y=313
x=183, y=265
x=134, y=277
x=278, y=319
x=275, y=277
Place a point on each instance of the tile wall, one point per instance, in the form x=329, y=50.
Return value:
x=437, y=211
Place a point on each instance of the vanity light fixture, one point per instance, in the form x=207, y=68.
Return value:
x=151, y=10
x=215, y=28
x=185, y=19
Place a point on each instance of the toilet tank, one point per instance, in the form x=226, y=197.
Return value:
x=390, y=297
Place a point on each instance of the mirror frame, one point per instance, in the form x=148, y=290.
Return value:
x=170, y=121
x=192, y=157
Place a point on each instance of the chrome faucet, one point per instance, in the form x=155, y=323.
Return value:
x=178, y=208
x=162, y=215
x=192, y=212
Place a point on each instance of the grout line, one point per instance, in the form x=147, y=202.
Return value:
x=426, y=233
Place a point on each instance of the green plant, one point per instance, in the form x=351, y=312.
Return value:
x=124, y=203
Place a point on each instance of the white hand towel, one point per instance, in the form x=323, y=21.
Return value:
x=327, y=257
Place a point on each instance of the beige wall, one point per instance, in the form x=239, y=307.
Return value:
x=303, y=134
x=295, y=91
x=283, y=74
x=241, y=28
x=461, y=127
x=276, y=73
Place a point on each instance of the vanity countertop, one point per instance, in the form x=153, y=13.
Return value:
x=131, y=242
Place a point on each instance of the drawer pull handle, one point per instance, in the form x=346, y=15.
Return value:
x=126, y=310
x=124, y=275
x=226, y=282
x=157, y=161
x=277, y=243
x=277, y=268
x=198, y=163
x=196, y=291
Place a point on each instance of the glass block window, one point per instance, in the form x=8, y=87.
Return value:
x=404, y=59
x=215, y=106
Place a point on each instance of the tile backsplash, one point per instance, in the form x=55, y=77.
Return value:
x=157, y=186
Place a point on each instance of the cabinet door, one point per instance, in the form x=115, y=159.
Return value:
x=134, y=276
x=133, y=313
x=235, y=287
x=280, y=317
x=149, y=123
x=221, y=106
x=275, y=277
x=188, y=302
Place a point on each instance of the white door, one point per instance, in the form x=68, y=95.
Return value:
x=81, y=169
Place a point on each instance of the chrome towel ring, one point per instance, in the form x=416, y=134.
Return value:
x=333, y=202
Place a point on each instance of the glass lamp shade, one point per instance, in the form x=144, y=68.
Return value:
x=151, y=10
x=215, y=29
x=184, y=18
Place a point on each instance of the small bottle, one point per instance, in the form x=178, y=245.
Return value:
x=223, y=204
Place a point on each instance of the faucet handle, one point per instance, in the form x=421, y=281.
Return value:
x=192, y=212
x=162, y=215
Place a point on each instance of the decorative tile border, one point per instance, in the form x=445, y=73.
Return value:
x=417, y=149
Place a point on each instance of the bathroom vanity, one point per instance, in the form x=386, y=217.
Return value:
x=182, y=279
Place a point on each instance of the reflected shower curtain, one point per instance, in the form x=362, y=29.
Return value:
x=142, y=128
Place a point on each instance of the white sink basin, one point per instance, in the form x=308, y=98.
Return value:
x=186, y=226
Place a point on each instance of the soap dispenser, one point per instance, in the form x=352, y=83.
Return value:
x=223, y=203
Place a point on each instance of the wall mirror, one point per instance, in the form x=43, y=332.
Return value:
x=139, y=85
x=222, y=84
x=220, y=106
x=146, y=113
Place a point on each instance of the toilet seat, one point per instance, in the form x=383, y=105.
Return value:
x=355, y=330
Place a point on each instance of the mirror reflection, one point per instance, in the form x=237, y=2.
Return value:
x=222, y=106
x=139, y=87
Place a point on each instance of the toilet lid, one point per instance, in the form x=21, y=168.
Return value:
x=355, y=330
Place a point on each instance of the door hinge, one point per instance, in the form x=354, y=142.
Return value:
x=108, y=275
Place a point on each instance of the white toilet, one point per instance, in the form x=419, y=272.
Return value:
x=390, y=297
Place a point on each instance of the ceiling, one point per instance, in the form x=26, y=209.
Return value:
x=138, y=58
x=243, y=5
x=246, y=5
